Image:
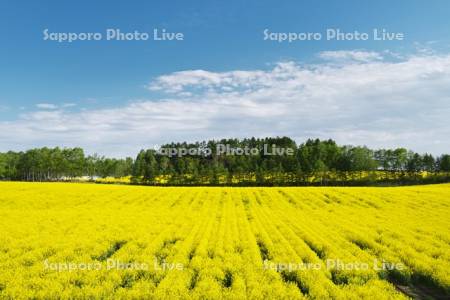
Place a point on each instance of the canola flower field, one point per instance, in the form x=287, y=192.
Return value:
x=88, y=241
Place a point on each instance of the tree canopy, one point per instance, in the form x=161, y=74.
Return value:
x=314, y=158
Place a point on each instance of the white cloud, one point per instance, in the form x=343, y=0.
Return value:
x=48, y=106
x=361, y=56
x=369, y=100
x=205, y=80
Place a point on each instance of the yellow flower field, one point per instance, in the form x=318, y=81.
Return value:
x=88, y=241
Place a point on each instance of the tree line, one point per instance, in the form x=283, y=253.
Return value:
x=50, y=164
x=312, y=162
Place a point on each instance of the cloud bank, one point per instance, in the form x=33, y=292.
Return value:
x=354, y=97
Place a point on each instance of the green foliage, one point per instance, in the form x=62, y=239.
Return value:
x=48, y=164
x=312, y=162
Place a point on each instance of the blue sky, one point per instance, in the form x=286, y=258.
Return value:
x=58, y=84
